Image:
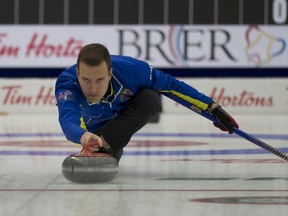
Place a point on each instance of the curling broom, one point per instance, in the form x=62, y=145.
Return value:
x=237, y=131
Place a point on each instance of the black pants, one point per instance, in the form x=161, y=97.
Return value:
x=141, y=108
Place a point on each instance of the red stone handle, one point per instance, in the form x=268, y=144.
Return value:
x=87, y=152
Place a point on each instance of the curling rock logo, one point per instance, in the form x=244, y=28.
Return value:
x=262, y=47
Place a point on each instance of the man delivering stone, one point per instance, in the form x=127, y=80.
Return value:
x=107, y=98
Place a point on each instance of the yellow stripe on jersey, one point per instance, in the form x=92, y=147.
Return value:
x=82, y=124
x=201, y=105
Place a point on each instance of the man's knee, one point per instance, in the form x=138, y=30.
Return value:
x=147, y=100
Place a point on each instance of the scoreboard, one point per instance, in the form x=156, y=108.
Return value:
x=265, y=12
x=234, y=12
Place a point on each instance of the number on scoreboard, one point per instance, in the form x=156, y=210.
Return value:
x=279, y=11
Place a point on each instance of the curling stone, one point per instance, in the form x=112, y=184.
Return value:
x=90, y=167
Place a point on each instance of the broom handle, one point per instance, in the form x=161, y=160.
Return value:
x=237, y=131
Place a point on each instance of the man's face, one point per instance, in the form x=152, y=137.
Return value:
x=94, y=80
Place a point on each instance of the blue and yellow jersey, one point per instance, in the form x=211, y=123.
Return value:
x=130, y=75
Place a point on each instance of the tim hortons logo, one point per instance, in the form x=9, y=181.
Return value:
x=14, y=96
x=243, y=99
x=6, y=50
x=40, y=46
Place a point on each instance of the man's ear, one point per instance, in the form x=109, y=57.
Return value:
x=110, y=73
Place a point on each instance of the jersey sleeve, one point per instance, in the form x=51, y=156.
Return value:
x=162, y=82
x=68, y=104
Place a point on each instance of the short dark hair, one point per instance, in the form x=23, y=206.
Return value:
x=94, y=54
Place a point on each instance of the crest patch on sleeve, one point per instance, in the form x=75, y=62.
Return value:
x=65, y=95
x=125, y=95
